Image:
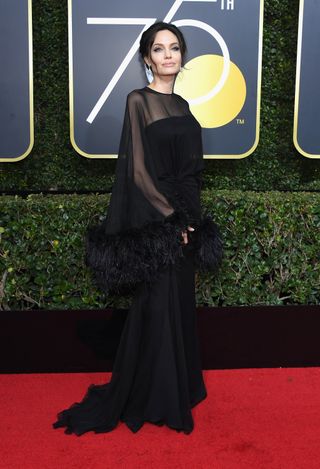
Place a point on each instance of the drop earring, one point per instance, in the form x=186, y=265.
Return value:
x=149, y=73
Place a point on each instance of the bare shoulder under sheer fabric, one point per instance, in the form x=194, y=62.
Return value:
x=157, y=374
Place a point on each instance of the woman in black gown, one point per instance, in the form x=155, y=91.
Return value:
x=153, y=238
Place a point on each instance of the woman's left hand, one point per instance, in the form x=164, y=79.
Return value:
x=185, y=234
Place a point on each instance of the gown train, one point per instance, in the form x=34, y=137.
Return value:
x=157, y=374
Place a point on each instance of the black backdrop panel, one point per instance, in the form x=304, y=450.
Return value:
x=16, y=102
x=307, y=108
x=224, y=57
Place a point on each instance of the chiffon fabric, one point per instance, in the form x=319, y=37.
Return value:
x=157, y=373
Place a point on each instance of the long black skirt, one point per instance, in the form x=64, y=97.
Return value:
x=157, y=375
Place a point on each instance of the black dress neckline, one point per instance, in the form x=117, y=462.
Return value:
x=158, y=92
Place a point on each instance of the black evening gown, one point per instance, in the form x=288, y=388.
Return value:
x=157, y=373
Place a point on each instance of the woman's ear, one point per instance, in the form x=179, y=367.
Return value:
x=147, y=60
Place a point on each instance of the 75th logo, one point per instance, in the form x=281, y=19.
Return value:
x=147, y=22
x=214, y=82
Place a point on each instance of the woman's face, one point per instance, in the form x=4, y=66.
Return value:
x=165, y=55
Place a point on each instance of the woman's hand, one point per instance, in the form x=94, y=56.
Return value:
x=185, y=234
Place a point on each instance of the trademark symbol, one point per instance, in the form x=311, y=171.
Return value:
x=240, y=121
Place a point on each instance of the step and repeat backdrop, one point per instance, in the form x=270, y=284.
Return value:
x=221, y=79
x=16, y=87
x=307, y=102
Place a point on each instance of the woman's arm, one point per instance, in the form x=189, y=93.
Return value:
x=140, y=175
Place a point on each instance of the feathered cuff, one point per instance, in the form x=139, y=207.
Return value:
x=208, y=245
x=120, y=261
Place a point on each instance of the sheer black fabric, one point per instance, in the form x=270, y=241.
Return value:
x=156, y=195
x=157, y=373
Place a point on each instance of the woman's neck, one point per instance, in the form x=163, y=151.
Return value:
x=162, y=86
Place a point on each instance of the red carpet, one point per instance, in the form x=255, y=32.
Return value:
x=252, y=418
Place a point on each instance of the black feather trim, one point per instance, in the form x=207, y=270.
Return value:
x=120, y=261
x=208, y=245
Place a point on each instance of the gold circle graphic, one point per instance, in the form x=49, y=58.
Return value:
x=201, y=74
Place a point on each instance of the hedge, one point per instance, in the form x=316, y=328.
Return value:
x=271, y=239
x=54, y=165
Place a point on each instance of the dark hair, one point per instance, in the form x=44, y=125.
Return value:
x=147, y=38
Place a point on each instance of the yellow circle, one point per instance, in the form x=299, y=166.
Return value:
x=198, y=78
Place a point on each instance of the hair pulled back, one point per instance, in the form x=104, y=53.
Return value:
x=147, y=38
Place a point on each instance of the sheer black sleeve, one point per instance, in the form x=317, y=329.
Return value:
x=141, y=232
x=137, y=147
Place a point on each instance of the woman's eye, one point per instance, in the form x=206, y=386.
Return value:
x=157, y=49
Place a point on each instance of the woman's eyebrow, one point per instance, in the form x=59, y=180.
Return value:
x=159, y=44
